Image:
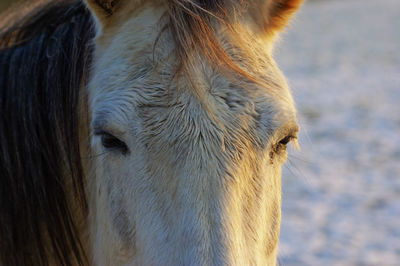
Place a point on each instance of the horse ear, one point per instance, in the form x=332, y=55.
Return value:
x=271, y=16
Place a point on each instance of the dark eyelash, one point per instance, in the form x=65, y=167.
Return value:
x=286, y=140
x=111, y=142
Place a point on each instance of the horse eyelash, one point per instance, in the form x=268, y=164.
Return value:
x=278, y=147
x=110, y=142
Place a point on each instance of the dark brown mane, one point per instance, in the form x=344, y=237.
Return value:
x=44, y=58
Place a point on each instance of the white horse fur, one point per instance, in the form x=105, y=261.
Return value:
x=200, y=182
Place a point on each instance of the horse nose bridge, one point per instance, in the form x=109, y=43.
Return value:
x=205, y=236
x=212, y=225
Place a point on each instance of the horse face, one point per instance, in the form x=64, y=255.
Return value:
x=186, y=166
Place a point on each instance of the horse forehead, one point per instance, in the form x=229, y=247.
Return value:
x=151, y=106
x=124, y=82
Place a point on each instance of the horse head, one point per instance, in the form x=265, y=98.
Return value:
x=189, y=119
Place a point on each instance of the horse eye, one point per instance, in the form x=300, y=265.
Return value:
x=111, y=142
x=286, y=140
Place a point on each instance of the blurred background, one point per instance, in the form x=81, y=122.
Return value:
x=341, y=191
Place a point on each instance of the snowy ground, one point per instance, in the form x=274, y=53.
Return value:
x=341, y=192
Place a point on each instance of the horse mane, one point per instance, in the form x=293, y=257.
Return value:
x=44, y=59
x=191, y=24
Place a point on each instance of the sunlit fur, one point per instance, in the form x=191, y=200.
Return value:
x=189, y=92
x=200, y=184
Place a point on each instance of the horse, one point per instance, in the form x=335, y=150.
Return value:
x=143, y=132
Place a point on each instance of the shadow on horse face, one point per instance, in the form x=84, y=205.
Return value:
x=191, y=152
